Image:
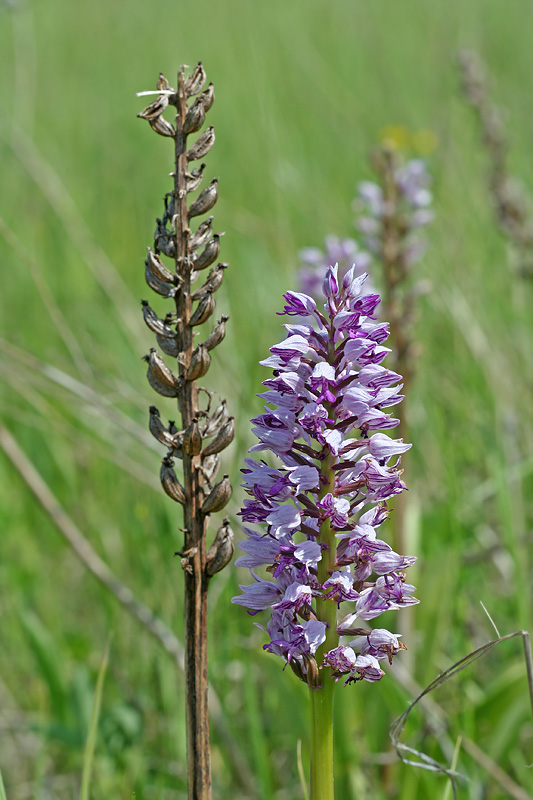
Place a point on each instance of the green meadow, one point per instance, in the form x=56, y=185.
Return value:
x=304, y=90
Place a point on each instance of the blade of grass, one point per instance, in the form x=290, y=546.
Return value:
x=3, y=795
x=88, y=756
x=301, y=773
x=448, y=787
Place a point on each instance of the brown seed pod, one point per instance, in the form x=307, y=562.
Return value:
x=214, y=423
x=168, y=345
x=195, y=82
x=214, y=280
x=162, y=127
x=217, y=334
x=202, y=145
x=195, y=117
x=205, y=200
x=192, y=438
x=157, y=268
x=195, y=178
x=170, y=482
x=154, y=109
x=200, y=363
x=161, y=372
x=163, y=84
x=223, y=438
x=162, y=434
x=208, y=97
x=165, y=240
x=203, y=310
x=208, y=254
x=157, y=285
x=210, y=467
x=220, y=553
x=202, y=235
x=157, y=386
x=156, y=324
x=218, y=497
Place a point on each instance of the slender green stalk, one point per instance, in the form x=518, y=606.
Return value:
x=322, y=742
x=88, y=757
x=322, y=697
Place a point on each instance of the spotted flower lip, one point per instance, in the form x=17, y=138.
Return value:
x=316, y=504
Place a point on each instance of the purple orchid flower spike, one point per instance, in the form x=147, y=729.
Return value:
x=317, y=505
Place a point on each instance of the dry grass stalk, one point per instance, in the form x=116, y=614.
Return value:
x=509, y=199
x=196, y=491
x=399, y=295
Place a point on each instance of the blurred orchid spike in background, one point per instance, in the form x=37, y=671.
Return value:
x=317, y=505
x=191, y=252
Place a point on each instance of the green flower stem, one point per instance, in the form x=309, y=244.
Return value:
x=322, y=698
x=322, y=741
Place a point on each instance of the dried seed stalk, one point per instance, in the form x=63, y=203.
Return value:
x=191, y=253
x=398, y=206
x=511, y=205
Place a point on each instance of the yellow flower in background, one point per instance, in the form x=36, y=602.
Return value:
x=398, y=137
x=395, y=137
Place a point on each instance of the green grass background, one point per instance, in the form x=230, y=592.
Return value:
x=303, y=90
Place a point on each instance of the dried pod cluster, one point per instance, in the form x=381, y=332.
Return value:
x=203, y=433
x=191, y=252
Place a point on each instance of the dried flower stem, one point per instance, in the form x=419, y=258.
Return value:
x=198, y=750
x=175, y=337
x=398, y=302
x=509, y=200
